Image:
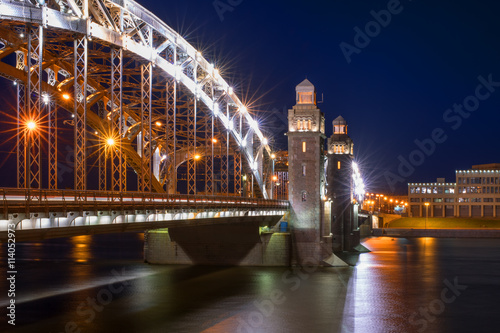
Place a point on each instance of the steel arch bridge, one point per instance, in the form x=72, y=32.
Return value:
x=134, y=88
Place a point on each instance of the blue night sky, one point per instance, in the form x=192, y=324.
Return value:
x=396, y=89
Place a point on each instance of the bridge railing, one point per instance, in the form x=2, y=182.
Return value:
x=16, y=200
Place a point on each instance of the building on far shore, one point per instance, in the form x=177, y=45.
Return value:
x=475, y=193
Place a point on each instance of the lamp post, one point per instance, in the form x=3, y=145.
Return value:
x=426, y=213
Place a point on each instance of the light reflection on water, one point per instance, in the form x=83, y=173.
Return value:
x=380, y=294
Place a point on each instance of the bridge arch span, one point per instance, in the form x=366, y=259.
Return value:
x=125, y=75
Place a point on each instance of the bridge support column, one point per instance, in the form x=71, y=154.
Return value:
x=306, y=179
x=241, y=244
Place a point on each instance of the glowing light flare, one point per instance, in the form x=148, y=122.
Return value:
x=31, y=125
x=110, y=142
x=264, y=141
x=214, y=140
x=158, y=123
x=66, y=96
x=359, y=186
x=275, y=178
x=273, y=156
x=197, y=157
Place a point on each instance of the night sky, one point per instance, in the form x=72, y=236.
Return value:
x=396, y=88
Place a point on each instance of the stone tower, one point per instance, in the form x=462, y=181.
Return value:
x=306, y=137
x=340, y=188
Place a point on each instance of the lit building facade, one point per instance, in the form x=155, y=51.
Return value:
x=476, y=193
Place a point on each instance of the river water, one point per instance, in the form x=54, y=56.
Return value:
x=100, y=284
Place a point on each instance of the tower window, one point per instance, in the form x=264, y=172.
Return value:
x=305, y=98
x=303, y=170
x=304, y=196
x=309, y=125
x=338, y=165
x=303, y=146
x=299, y=125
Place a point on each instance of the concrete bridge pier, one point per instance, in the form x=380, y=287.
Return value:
x=241, y=244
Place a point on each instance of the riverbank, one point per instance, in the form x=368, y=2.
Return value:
x=437, y=233
x=443, y=223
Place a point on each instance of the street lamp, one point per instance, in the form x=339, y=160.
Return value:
x=31, y=125
x=426, y=213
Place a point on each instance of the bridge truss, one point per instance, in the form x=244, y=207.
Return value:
x=134, y=88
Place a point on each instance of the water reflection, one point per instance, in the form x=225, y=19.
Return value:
x=385, y=292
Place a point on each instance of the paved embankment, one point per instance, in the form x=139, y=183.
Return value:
x=440, y=233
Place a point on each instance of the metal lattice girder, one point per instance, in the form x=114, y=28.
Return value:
x=52, y=143
x=118, y=177
x=209, y=156
x=101, y=142
x=146, y=135
x=224, y=154
x=169, y=156
x=237, y=172
x=34, y=104
x=191, y=145
x=80, y=111
x=20, y=60
x=21, y=136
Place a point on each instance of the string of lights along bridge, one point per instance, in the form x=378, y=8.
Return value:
x=146, y=111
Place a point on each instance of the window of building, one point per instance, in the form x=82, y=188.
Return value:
x=338, y=165
x=475, y=200
x=449, y=200
x=488, y=200
x=412, y=189
x=435, y=190
x=440, y=190
x=463, y=199
x=309, y=125
x=417, y=189
x=438, y=199
x=299, y=125
x=306, y=98
x=303, y=170
x=304, y=146
x=414, y=199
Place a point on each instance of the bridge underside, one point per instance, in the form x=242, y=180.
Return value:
x=56, y=232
